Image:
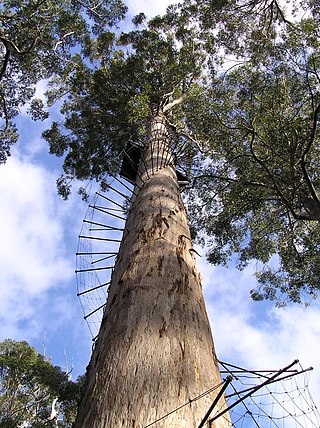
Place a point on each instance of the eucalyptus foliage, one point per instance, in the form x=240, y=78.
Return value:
x=259, y=193
x=120, y=83
x=40, y=39
x=30, y=386
x=239, y=82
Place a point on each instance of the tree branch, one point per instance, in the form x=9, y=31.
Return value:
x=187, y=135
x=315, y=71
x=7, y=16
x=59, y=42
x=200, y=145
x=9, y=43
x=37, y=6
x=5, y=61
x=91, y=9
x=303, y=162
x=174, y=103
x=278, y=190
x=280, y=12
x=313, y=131
x=5, y=110
x=233, y=128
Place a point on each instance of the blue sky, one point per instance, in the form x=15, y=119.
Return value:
x=39, y=237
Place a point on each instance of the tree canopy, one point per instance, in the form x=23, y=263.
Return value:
x=33, y=392
x=111, y=100
x=40, y=39
x=238, y=82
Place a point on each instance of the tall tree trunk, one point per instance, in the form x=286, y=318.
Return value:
x=154, y=351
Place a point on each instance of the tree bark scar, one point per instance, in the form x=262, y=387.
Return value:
x=197, y=374
x=165, y=222
x=160, y=265
x=113, y=300
x=124, y=275
x=180, y=258
x=142, y=236
x=163, y=329
x=186, y=280
x=181, y=246
x=158, y=223
x=179, y=286
x=174, y=211
x=214, y=355
x=126, y=292
x=182, y=346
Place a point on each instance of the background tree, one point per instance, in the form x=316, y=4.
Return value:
x=33, y=392
x=39, y=40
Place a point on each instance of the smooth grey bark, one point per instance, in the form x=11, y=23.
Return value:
x=154, y=351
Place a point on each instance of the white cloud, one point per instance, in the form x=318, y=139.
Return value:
x=41, y=88
x=33, y=257
x=150, y=8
